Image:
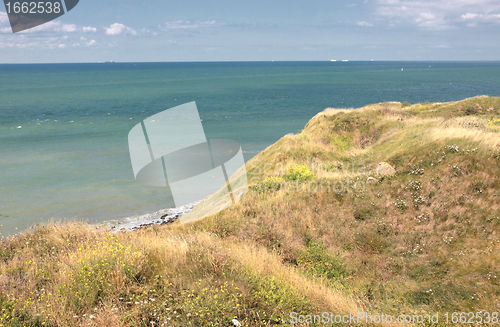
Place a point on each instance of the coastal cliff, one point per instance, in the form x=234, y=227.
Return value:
x=387, y=209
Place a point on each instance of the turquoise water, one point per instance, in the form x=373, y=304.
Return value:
x=69, y=158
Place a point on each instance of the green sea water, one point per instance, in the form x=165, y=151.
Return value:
x=64, y=127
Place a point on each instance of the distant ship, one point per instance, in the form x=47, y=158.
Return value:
x=333, y=60
x=345, y=60
x=107, y=62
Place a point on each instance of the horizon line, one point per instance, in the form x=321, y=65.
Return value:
x=340, y=61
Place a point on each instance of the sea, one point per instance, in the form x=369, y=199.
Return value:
x=64, y=127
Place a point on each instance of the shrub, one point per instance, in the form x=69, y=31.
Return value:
x=321, y=263
x=219, y=301
x=420, y=297
x=332, y=167
x=415, y=186
x=362, y=214
x=479, y=186
x=470, y=110
x=272, y=184
x=298, y=173
x=400, y=204
x=341, y=142
x=275, y=292
x=494, y=123
x=371, y=242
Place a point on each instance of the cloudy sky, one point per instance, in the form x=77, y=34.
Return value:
x=195, y=30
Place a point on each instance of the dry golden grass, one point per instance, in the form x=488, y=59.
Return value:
x=265, y=263
x=482, y=138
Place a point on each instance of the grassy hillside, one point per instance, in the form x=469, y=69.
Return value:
x=321, y=230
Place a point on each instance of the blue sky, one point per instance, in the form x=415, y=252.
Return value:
x=192, y=30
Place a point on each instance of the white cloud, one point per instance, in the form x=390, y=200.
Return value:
x=473, y=19
x=426, y=16
x=117, y=29
x=4, y=23
x=47, y=27
x=89, y=29
x=21, y=42
x=365, y=24
x=51, y=27
x=68, y=28
x=3, y=17
x=51, y=35
x=187, y=25
x=469, y=16
x=436, y=14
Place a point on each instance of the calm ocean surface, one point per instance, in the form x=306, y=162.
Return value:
x=69, y=158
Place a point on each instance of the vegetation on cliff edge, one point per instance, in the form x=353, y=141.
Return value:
x=319, y=231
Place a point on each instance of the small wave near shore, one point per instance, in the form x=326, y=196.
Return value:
x=160, y=217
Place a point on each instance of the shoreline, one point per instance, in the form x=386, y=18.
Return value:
x=160, y=217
